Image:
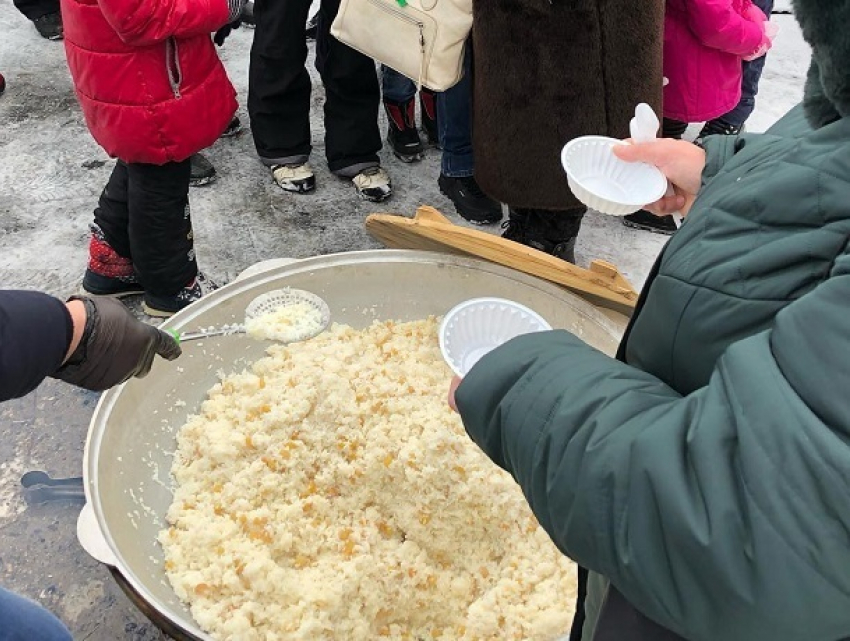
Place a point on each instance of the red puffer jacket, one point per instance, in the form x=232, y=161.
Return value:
x=147, y=75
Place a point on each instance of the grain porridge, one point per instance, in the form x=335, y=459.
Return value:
x=330, y=493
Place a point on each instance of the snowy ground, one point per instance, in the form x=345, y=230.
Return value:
x=51, y=173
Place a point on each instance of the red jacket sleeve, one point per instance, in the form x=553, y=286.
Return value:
x=35, y=332
x=144, y=22
x=717, y=25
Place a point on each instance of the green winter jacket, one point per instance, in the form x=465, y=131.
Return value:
x=707, y=476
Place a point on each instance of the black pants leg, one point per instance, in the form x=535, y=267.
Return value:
x=159, y=227
x=352, y=137
x=112, y=214
x=278, y=83
x=279, y=89
x=34, y=9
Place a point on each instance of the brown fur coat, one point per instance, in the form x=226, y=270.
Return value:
x=546, y=72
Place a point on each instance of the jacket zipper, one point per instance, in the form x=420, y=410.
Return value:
x=414, y=21
x=172, y=66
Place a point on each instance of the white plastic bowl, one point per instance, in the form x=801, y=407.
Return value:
x=477, y=326
x=605, y=183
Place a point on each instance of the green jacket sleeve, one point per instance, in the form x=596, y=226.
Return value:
x=718, y=150
x=721, y=515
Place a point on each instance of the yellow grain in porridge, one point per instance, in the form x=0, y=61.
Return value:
x=330, y=493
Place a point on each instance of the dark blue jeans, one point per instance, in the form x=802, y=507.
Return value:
x=396, y=87
x=25, y=620
x=454, y=116
x=750, y=81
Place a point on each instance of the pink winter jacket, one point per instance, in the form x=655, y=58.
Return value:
x=704, y=42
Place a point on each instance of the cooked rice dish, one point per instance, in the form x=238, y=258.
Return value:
x=287, y=323
x=330, y=493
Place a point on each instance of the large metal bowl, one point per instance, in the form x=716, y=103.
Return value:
x=131, y=440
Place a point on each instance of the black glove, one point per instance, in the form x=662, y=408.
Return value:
x=221, y=35
x=114, y=347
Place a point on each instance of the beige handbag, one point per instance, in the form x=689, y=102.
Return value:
x=421, y=39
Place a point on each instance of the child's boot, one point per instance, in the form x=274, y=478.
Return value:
x=203, y=171
x=107, y=273
x=719, y=127
x=403, y=135
x=165, y=306
x=428, y=114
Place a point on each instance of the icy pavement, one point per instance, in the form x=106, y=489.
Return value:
x=51, y=173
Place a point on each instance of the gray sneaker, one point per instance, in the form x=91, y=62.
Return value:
x=373, y=184
x=298, y=178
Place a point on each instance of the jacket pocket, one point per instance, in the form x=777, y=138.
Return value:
x=172, y=66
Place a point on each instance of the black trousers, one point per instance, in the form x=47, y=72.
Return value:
x=144, y=214
x=279, y=89
x=34, y=9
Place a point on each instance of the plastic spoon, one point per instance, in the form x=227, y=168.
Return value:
x=264, y=304
x=644, y=128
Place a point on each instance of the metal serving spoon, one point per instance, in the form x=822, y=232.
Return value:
x=269, y=303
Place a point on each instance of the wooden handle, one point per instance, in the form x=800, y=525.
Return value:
x=430, y=230
x=426, y=212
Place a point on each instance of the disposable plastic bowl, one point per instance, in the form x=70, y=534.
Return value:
x=605, y=183
x=477, y=326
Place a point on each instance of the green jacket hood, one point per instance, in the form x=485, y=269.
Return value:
x=827, y=91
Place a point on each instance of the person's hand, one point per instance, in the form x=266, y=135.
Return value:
x=452, y=389
x=113, y=346
x=680, y=161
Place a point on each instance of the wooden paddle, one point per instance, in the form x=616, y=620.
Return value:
x=602, y=284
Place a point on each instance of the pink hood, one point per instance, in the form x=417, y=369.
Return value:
x=704, y=41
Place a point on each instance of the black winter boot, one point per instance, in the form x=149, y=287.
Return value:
x=647, y=221
x=470, y=202
x=402, y=134
x=719, y=127
x=50, y=25
x=203, y=171
x=552, y=232
x=161, y=306
x=428, y=114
